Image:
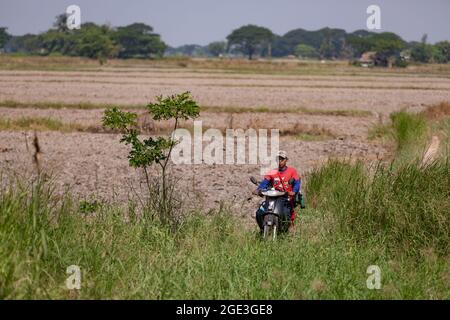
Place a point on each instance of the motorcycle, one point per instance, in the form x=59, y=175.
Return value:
x=274, y=211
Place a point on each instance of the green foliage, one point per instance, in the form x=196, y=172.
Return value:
x=306, y=51
x=124, y=256
x=408, y=128
x=385, y=44
x=116, y=119
x=331, y=40
x=405, y=207
x=400, y=62
x=4, y=37
x=179, y=106
x=87, y=207
x=137, y=40
x=60, y=23
x=149, y=151
x=53, y=41
x=248, y=39
x=441, y=52
x=422, y=53
x=407, y=131
x=27, y=44
x=92, y=42
x=143, y=154
x=37, y=123
x=217, y=48
x=332, y=43
x=190, y=50
x=146, y=152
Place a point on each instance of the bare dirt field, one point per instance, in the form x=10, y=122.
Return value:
x=379, y=93
x=94, y=165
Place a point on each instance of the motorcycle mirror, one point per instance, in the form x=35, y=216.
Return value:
x=291, y=181
x=253, y=180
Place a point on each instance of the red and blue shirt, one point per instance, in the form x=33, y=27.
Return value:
x=279, y=179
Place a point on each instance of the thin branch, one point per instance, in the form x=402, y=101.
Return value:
x=172, y=144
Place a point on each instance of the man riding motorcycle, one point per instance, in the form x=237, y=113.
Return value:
x=279, y=179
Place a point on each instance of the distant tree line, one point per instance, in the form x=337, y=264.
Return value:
x=326, y=43
x=138, y=40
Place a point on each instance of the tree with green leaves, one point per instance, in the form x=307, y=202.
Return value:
x=217, y=48
x=93, y=41
x=56, y=39
x=137, y=40
x=387, y=45
x=28, y=43
x=53, y=41
x=421, y=51
x=60, y=23
x=4, y=37
x=145, y=153
x=306, y=52
x=250, y=38
x=441, y=52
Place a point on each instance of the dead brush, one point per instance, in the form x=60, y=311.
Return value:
x=307, y=132
x=37, y=154
x=437, y=111
x=255, y=123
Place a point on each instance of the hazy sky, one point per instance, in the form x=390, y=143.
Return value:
x=202, y=21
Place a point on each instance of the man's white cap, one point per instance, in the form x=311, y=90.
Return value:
x=282, y=154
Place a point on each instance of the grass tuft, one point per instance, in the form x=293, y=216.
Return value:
x=39, y=124
x=212, y=109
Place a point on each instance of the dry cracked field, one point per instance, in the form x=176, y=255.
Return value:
x=320, y=115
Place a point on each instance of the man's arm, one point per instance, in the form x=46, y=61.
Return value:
x=297, y=182
x=297, y=185
x=263, y=185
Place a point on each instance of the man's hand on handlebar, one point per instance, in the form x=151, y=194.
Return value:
x=256, y=192
x=291, y=193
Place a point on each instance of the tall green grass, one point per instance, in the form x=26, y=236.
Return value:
x=408, y=129
x=395, y=216
x=405, y=130
x=123, y=255
x=407, y=207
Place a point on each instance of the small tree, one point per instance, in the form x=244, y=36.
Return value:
x=147, y=152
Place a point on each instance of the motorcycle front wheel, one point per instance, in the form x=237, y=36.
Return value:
x=270, y=227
